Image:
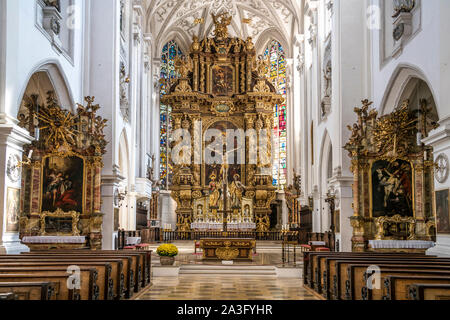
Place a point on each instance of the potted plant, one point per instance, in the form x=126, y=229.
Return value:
x=167, y=253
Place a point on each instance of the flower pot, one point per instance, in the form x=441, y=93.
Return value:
x=167, y=261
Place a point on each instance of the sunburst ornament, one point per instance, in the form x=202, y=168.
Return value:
x=60, y=125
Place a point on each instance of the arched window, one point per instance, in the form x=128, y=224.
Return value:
x=169, y=52
x=277, y=75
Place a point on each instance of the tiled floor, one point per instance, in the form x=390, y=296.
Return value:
x=195, y=287
x=267, y=253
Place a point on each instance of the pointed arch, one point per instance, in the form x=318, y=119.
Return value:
x=402, y=82
x=52, y=69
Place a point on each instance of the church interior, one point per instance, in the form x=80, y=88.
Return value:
x=224, y=150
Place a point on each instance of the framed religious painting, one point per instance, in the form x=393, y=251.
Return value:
x=222, y=80
x=392, y=189
x=337, y=221
x=62, y=184
x=13, y=209
x=442, y=211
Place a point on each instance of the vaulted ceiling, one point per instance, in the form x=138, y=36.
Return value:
x=174, y=19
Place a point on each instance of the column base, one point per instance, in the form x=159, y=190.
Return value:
x=442, y=247
x=14, y=247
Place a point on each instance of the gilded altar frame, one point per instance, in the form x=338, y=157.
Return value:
x=250, y=106
x=63, y=135
x=390, y=138
x=60, y=214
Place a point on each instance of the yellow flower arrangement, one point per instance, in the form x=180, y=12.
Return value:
x=167, y=250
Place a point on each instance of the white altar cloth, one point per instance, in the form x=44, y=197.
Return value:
x=54, y=239
x=132, y=241
x=400, y=244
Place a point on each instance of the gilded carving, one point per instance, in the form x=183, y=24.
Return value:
x=393, y=179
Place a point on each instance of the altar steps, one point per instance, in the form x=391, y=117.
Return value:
x=266, y=271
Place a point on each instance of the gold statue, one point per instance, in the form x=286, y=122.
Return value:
x=222, y=25
x=236, y=190
x=214, y=193
x=183, y=66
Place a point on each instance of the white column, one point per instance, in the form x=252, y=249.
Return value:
x=103, y=67
x=12, y=140
x=439, y=139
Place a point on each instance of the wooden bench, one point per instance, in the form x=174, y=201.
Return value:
x=88, y=276
x=342, y=278
x=427, y=291
x=62, y=292
x=143, y=272
x=327, y=273
x=110, y=269
x=315, y=263
x=396, y=287
x=362, y=292
x=29, y=290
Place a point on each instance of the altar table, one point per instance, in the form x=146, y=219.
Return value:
x=227, y=249
x=54, y=242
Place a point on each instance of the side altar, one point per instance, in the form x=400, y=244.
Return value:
x=393, y=179
x=60, y=197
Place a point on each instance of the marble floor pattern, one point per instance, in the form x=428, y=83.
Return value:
x=198, y=287
x=267, y=253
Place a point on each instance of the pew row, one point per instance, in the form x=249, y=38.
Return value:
x=371, y=276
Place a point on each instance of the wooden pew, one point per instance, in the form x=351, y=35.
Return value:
x=29, y=290
x=123, y=273
x=62, y=292
x=338, y=272
x=361, y=292
x=143, y=273
x=396, y=287
x=317, y=265
x=310, y=260
x=428, y=291
x=7, y=296
x=109, y=269
x=88, y=278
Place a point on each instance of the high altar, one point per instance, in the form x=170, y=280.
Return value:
x=393, y=180
x=222, y=87
x=61, y=176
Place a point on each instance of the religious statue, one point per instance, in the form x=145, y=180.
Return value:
x=327, y=77
x=183, y=66
x=196, y=46
x=236, y=190
x=214, y=193
x=221, y=21
x=262, y=66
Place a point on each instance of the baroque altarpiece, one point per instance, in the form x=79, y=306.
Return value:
x=393, y=175
x=222, y=86
x=61, y=171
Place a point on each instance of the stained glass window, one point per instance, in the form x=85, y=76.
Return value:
x=169, y=52
x=277, y=75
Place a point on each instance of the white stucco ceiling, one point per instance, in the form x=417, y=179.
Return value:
x=174, y=19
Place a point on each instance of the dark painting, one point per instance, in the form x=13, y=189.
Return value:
x=222, y=80
x=230, y=152
x=392, y=188
x=442, y=212
x=58, y=225
x=63, y=184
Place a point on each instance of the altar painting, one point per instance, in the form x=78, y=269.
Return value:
x=392, y=192
x=442, y=211
x=222, y=80
x=62, y=184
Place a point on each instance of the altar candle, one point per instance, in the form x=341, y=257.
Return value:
x=30, y=153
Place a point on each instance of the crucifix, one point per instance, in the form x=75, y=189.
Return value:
x=224, y=173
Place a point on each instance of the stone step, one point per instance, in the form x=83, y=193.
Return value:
x=229, y=270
